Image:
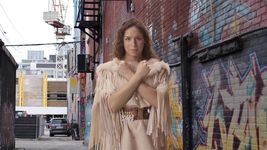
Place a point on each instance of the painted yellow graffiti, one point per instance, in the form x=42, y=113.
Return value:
x=236, y=115
x=176, y=140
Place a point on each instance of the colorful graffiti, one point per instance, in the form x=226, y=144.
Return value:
x=82, y=106
x=89, y=104
x=88, y=108
x=236, y=109
x=220, y=18
x=176, y=141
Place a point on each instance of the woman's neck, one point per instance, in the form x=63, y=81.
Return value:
x=131, y=59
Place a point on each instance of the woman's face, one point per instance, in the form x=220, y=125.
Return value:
x=133, y=42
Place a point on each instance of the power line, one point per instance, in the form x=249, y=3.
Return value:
x=41, y=44
x=4, y=33
x=12, y=24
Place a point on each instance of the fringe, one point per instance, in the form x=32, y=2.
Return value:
x=159, y=122
x=106, y=127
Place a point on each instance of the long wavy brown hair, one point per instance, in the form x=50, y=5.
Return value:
x=118, y=48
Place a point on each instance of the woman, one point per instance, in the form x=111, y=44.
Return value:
x=131, y=106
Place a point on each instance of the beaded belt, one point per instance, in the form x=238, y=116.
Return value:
x=138, y=113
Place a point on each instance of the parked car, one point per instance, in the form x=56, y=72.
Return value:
x=59, y=126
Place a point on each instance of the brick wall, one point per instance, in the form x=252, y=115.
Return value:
x=229, y=96
x=229, y=90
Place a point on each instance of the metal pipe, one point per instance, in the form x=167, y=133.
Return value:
x=176, y=39
x=186, y=94
x=185, y=89
x=175, y=64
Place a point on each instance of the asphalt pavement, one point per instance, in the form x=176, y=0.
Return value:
x=58, y=142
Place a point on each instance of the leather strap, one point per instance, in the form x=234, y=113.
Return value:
x=139, y=113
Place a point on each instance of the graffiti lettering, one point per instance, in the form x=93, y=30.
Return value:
x=236, y=115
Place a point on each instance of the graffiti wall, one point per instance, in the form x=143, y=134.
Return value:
x=232, y=114
x=228, y=93
x=82, y=106
x=229, y=100
x=218, y=19
x=88, y=108
x=176, y=140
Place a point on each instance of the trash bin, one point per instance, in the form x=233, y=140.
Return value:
x=75, y=131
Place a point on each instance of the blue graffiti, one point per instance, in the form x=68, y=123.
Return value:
x=197, y=7
x=266, y=115
x=222, y=13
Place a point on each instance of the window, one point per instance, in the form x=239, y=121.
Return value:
x=57, y=96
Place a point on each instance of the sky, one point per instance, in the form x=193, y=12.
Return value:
x=22, y=23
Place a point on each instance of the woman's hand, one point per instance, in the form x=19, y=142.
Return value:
x=142, y=69
x=118, y=99
x=134, y=84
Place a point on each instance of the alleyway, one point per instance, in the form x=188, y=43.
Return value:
x=58, y=142
x=214, y=53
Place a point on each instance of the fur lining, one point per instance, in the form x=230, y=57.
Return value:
x=158, y=66
x=154, y=64
x=107, y=126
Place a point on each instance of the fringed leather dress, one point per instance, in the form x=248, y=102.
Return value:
x=138, y=125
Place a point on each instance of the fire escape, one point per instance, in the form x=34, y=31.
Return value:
x=89, y=22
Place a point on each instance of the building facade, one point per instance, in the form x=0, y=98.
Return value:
x=217, y=53
x=39, y=86
x=216, y=50
x=8, y=68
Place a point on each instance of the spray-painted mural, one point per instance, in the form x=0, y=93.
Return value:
x=88, y=108
x=88, y=105
x=82, y=105
x=217, y=19
x=176, y=141
x=235, y=115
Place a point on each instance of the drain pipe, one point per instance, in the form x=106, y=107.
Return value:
x=186, y=91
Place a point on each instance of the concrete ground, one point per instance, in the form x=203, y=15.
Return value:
x=58, y=142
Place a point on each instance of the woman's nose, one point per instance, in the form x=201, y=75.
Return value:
x=133, y=42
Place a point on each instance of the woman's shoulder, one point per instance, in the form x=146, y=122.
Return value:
x=157, y=65
x=108, y=66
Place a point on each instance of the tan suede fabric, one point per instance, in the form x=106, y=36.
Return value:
x=118, y=131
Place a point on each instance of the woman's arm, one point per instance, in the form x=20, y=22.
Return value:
x=118, y=99
x=146, y=92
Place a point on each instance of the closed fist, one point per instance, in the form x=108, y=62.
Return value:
x=142, y=69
